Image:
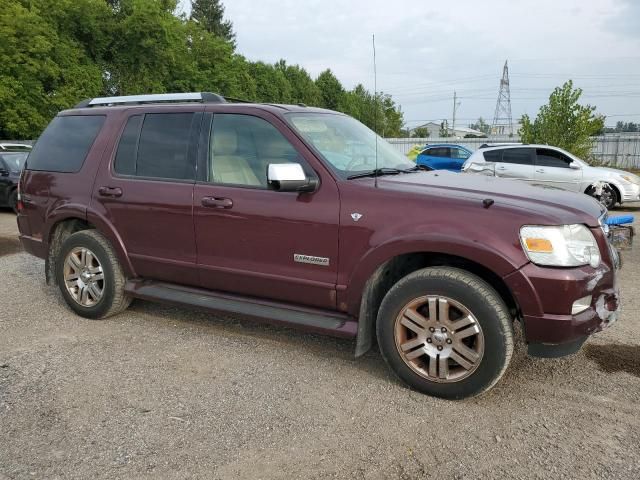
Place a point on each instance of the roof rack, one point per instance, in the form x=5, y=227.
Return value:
x=202, y=97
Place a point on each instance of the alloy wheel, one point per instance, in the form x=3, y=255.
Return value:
x=439, y=339
x=83, y=276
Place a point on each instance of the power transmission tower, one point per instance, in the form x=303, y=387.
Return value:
x=502, y=120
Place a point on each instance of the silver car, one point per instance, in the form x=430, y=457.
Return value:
x=552, y=166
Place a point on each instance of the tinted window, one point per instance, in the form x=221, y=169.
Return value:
x=439, y=152
x=125, y=162
x=520, y=156
x=459, y=153
x=551, y=158
x=163, y=146
x=493, y=156
x=241, y=148
x=64, y=144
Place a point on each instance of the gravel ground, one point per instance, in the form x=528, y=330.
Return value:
x=163, y=392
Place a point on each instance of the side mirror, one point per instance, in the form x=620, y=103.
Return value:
x=290, y=177
x=574, y=166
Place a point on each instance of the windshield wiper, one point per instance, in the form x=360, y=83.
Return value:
x=418, y=168
x=378, y=172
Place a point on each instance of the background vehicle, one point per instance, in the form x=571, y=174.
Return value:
x=286, y=213
x=443, y=157
x=11, y=165
x=552, y=166
x=14, y=147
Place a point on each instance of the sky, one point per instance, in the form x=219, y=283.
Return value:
x=426, y=49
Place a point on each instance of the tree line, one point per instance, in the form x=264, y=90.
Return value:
x=57, y=52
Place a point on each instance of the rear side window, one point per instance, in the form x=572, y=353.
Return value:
x=64, y=144
x=519, y=156
x=493, y=156
x=156, y=145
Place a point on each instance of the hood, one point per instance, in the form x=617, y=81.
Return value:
x=615, y=171
x=543, y=204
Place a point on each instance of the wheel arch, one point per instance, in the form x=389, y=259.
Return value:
x=397, y=267
x=69, y=222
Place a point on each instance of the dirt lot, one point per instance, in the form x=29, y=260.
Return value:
x=162, y=392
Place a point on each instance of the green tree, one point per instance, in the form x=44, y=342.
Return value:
x=444, y=129
x=331, y=90
x=420, y=132
x=303, y=88
x=482, y=126
x=210, y=14
x=564, y=123
x=48, y=60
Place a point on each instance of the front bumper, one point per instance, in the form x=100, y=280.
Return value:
x=546, y=296
x=630, y=193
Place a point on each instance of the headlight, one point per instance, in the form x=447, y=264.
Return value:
x=631, y=179
x=562, y=246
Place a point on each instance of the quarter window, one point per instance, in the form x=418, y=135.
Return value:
x=156, y=145
x=241, y=148
x=493, y=156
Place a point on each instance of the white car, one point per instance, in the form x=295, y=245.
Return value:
x=552, y=166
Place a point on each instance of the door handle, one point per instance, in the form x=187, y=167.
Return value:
x=110, y=191
x=541, y=170
x=501, y=168
x=216, y=202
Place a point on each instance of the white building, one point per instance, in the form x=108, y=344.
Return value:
x=458, y=132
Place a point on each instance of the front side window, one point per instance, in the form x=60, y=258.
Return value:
x=551, y=158
x=65, y=143
x=241, y=148
x=156, y=145
x=518, y=156
x=347, y=145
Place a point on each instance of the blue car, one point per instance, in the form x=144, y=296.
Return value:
x=443, y=157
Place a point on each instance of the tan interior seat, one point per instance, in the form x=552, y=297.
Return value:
x=228, y=166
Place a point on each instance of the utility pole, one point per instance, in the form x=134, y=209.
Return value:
x=456, y=104
x=502, y=120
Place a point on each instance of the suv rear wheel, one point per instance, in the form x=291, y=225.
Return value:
x=445, y=332
x=90, y=277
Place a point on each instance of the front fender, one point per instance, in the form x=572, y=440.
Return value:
x=490, y=257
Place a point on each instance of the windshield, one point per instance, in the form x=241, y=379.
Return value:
x=346, y=144
x=14, y=160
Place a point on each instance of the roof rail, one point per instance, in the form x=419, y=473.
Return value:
x=202, y=97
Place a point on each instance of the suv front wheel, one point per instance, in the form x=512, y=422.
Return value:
x=445, y=332
x=90, y=277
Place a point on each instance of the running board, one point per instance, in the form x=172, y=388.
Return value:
x=323, y=321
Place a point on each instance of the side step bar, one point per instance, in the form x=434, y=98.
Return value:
x=324, y=321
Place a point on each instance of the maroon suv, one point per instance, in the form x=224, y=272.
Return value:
x=304, y=216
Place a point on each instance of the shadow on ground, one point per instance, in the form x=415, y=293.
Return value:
x=615, y=357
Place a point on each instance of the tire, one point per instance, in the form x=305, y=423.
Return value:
x=13, y=201
x=454, y=360
x=99, y=272
x=611, y=197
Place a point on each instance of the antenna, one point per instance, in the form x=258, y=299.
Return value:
x=375, y=111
